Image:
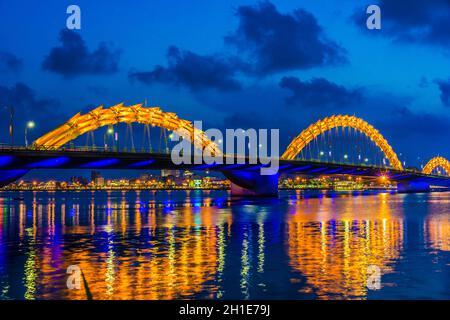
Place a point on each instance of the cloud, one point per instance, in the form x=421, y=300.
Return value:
x=9, y=62
x=444, y=87
x=194, y=71
x=245, y=120
x=73, y=58
x=319, y=93
x=423, y=83
x=98, y=91
x=278, y=42
x=414, y=21
x=267, y=42
x=27, y=106
x=402, y=121
x=415, y=133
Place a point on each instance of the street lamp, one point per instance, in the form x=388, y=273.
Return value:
x=30, y=125
x=109, y=133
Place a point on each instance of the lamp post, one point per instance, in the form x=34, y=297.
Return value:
x=109, y=134
x=29, y=125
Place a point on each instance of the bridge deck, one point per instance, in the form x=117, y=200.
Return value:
x=29, y=159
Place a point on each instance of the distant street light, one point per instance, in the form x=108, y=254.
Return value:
x=30, y=125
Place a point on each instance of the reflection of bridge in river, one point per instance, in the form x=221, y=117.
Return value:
x=128, y=249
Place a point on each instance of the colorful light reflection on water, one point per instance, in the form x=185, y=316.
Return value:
x=201, y=244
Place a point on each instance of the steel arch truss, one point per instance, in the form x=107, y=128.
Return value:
x=437, y=162
x=100, y=117
x=321, y=126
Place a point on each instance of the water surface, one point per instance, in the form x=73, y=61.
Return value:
x=206, y=245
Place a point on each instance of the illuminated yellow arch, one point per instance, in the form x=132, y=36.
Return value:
x=314, y=130
x=437, y=162
x=99, y=117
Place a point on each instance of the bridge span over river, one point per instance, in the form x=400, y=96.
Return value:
x=54, y=151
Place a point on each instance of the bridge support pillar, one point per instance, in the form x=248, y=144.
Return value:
x=8, y=176
x=252, y=183
x=413, y=187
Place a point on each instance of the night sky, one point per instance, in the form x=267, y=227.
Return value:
x=279, y=64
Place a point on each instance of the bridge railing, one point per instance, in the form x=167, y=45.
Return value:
x=4, y=146
x=8, y=147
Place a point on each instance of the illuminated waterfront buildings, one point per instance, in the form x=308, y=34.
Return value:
x=190, y=180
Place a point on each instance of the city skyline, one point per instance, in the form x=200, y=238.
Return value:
x=188, y=180
x=345, y=70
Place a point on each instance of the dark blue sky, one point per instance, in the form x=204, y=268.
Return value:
x=280, y=64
